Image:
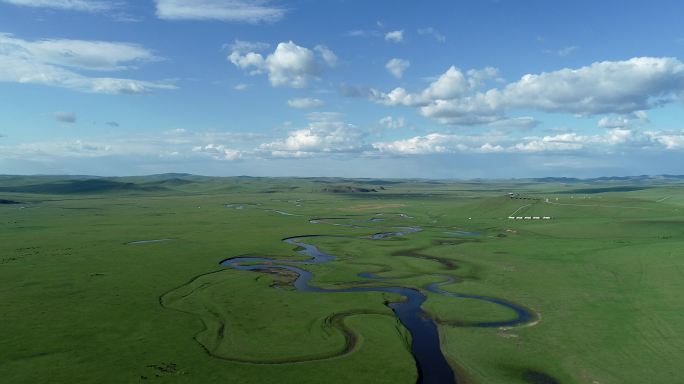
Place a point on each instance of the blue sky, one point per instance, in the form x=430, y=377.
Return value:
x=440, y=89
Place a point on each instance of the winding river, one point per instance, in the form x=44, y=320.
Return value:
x=425, y=343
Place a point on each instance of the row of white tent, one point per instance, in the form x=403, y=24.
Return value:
x=529, y=217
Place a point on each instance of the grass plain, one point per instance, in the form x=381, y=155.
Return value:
x=81, y=302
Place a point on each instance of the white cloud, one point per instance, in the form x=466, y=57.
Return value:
x=430, y=31
x=243, y=46
x=396, y=67
x=626, y=86
x=499, y=142
x=480, y=108
x=638, y=117
x=323, y=135
x=617, y=87
x=289, y=65
x=65, y=117
x=219, y=152
x=71, y=148
x=364, y=33
x=250, y=59
x=81, y=54
x=327, y=55
x=478, y=78
x=489, y=148
x=618, y=136
x=392, y=123
x=607, y=122
x=72, y=5
x=670, y=140
x=450, y=85
x=249, y=11
x=180, y=142
x=305, y=102
x=53, y=63
x=421, y=145
x=395, y=36
x=562, y=142
x=241, y=87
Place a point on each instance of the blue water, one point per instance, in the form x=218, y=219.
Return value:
x=432, y=365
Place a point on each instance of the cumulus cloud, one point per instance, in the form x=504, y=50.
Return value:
x=608, y=87
x=450, y=85
x=626, y=86
x=672, y=140
x=240, y=87
x=65, y=117
x=395, y=36
x=392, y=123
x=396, y=67
x=248, y=11
x=430, y=31
x=54, y=63
x=71, y=5
x=325, y=134
x=562, y=142
x=305, y=102
x=289, y=65
x=421, y=145
x=638, y=117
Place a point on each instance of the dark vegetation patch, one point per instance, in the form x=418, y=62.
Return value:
x=536, y=377
x=439, y=242
x=289, y=188
x=410, y=195
x=446, y=263
x=655, y=222
x=348, y=189
x=281, y=277
x=164, y=369
x=8, y=202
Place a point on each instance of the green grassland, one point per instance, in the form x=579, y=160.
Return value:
x=81, y=303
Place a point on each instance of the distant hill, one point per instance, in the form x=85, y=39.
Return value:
x=80, y=186
x=640, y=178
x=621, y=188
